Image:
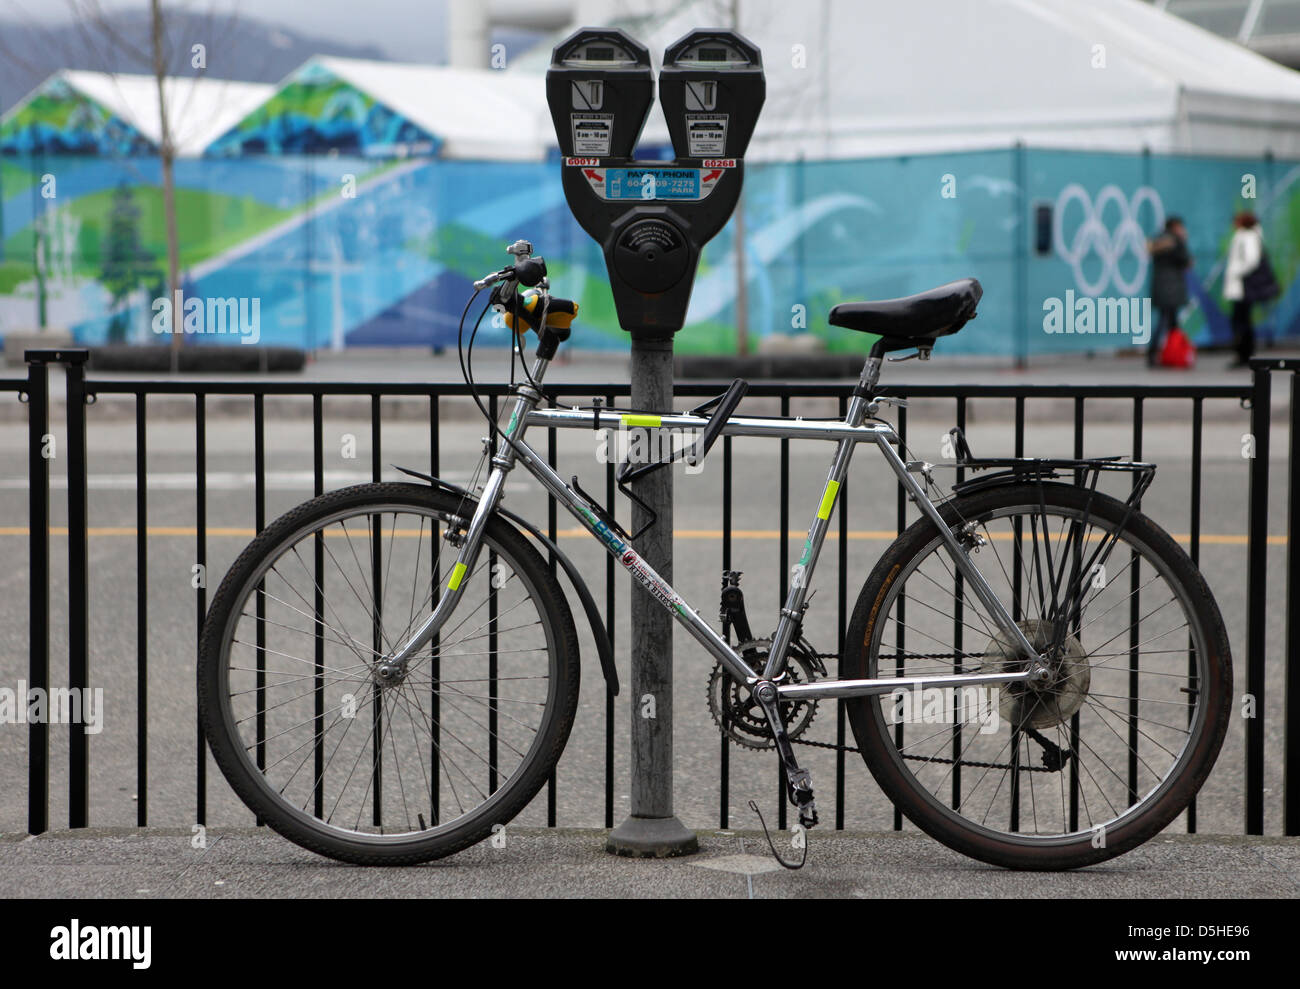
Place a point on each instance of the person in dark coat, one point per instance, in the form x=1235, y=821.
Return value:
x=1170, y=260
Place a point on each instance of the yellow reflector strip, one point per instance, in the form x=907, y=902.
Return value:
x=457, y=572
x=642, y=420
x=828, y=499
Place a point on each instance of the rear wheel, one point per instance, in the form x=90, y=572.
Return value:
x=1078, y=770
x=374, y=771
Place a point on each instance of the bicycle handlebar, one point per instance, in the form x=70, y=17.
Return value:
x=528, y=272
x=535, y=309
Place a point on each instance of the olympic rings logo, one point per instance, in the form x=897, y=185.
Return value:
x=1093, y=237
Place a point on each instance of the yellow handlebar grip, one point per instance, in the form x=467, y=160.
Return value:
x=560, y=314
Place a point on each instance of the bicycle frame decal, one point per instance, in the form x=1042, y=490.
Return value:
x=828, y=499
x=457, y=574
x=647, y=578
x=604, y=532
x=633, y=563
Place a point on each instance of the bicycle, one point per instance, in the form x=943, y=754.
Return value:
x=995, y=706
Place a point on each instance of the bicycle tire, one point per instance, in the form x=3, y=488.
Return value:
x=232, y=753
x=877, y=738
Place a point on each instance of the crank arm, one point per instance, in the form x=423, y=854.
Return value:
x=798, y=780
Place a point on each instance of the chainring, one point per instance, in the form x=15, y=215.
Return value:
x=740, y=718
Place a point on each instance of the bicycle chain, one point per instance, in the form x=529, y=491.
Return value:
x=920, y=758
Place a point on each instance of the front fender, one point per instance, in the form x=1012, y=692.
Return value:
x=603, y=648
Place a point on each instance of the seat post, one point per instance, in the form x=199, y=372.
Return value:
x=866, y=385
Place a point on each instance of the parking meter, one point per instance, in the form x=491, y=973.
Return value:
x=652, y=218
x=599, y=88
x=712, y=89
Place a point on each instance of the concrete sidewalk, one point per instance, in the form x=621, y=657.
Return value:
x=557, y=863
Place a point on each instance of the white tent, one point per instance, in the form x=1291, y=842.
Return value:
x=475, y=113
x=855, y=78
x=199, y=108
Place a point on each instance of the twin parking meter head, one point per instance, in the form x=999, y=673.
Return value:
x=652, y=218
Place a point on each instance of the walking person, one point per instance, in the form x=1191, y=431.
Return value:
x=1247, y=279
x=1170, y=259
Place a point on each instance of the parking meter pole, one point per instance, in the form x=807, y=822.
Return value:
x=652, y=830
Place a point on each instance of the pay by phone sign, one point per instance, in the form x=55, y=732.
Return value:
x=652, y=183
x=624, y=184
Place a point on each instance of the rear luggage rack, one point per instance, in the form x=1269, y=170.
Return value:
x=1087, y=470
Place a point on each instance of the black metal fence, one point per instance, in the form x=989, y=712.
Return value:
x=81, y=393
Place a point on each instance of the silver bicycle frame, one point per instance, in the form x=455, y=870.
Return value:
x=846, y=434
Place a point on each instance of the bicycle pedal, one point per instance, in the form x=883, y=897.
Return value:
x=800, y=792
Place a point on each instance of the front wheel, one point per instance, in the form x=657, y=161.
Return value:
x=385, y=771
x=1074, y=771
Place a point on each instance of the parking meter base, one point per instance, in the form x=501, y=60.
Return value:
x=652, y=837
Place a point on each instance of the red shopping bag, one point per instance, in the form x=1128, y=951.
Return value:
x=1178, y=350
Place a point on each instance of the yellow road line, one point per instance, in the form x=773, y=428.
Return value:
x=880, y=535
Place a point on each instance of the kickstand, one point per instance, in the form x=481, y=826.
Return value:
x=780, y=861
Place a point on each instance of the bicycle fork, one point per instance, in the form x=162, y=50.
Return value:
x=503, y=461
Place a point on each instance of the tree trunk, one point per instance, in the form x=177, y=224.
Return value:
x=167, y=157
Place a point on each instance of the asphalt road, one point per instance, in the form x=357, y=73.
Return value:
x=870, y=500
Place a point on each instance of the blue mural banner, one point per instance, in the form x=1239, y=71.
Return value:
x=346, y=249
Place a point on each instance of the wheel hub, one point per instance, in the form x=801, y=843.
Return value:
x=388, y=674
x=1053, y=701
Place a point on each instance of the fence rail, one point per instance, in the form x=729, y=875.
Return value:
x=81, y=393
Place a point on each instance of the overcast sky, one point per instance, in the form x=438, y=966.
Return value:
x=406, y=30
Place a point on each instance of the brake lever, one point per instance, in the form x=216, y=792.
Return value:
x=493, y=278
x=873, y=406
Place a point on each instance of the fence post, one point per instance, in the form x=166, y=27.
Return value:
x=1291, y=715
x=1256, y=589
x=38, y=622
x=74, y=362
x=651, y=830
